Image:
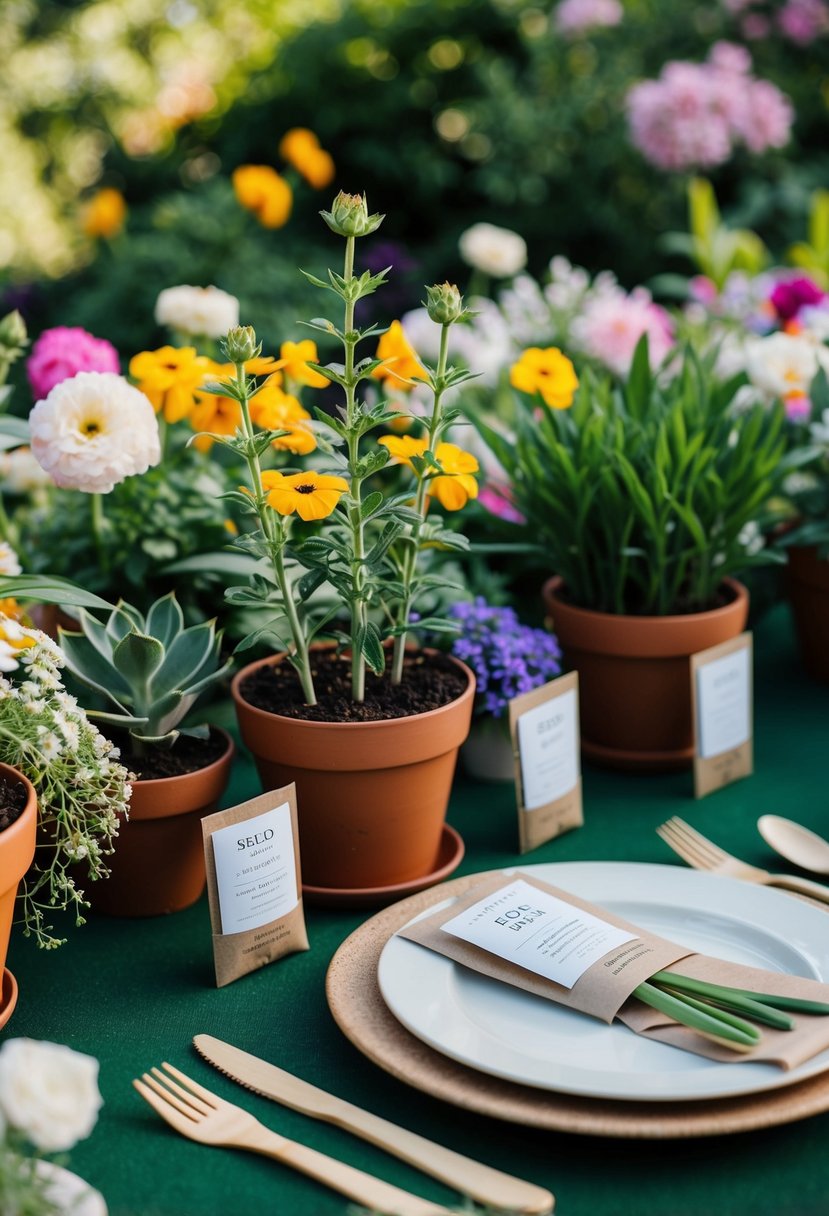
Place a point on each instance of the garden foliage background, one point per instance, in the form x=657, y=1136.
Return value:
x=444, y=111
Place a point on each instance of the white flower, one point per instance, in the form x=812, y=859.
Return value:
x=94, y=430
x=784, y=365
x=751, y=538
x=8, y=560
x=203, y=312
x=48, y=1092
x=70, y=730
x=8, y=656
x=50, y=745
x=20, y=473
x=496, y=251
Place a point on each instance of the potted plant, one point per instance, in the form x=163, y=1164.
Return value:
x=645, y=498
x=147, y=671
x=367, y=726
x=508, y=659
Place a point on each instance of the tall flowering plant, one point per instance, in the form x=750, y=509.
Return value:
x=370, y=542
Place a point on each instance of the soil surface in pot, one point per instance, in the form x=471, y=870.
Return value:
x=429, y=681
x=187, y=755
x=12, y=801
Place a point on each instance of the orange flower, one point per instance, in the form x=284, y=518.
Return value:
x=301, y=149
x=104, y=214
x=547, y=372
x=221, y=415
x=311, y=495
x=170, y=377
x=455, y=486
x=275, y=410
x=260, y=189
x=294, y=358
x=403, y=447
x=400, y=361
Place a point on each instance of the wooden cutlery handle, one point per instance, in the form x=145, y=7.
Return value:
x=363, y=1188
x=802, y=886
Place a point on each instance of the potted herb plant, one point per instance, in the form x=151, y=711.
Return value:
x=143, y=675
x=367, y=727
x=508, y=659
x=645, y=499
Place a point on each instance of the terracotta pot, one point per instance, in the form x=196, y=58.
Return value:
x=634, y=676
x=158, y=863
x=371, y=796
x=17, y=849
x=49, y=617
x=808, y=585
x=487, y=753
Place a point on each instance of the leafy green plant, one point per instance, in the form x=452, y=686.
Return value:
x=645, y=496
x=812, y=255
x=716, y=249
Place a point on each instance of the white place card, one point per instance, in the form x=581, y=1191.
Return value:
x=721, y=684
x=544, y=725
x=256, y=870
x=538, y=931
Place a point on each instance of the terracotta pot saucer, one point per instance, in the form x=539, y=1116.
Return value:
x=8, y=997
x=637, y=762
x=450, y=856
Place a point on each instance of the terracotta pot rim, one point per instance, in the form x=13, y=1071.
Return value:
x=739, y=592
x=156, y=784
x=20, y=826
x=379, y=724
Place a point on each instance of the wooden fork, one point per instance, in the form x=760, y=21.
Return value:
x=201, y=1115
x=703, y=854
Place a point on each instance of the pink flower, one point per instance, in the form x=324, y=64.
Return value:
x=798, y=407
x=575, y=16
x=496, y=497
x=802, y=21
x=790, y=295
x=62, y=352
x=612, y=323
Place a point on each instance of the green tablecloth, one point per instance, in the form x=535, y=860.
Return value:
x=134, y=992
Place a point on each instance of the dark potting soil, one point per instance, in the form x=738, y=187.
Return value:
x=187, y=755
x=429, y=681
x=12, y=801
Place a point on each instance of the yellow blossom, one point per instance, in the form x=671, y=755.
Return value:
x=301, y=149
x=400, y=361
x=275, y=410
x=403, y=447
x=104, y=214
x=221, y=415
x=310, y=495
x=547, y=372
x=293, y=360
x=455, y=486
x=170, y=377
x=260, y=189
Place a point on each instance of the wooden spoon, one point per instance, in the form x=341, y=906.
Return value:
x=794, y=842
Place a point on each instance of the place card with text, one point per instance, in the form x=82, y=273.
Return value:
x=721, y=694
x=544, y=726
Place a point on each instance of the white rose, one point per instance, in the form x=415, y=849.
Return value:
x=496, y=251
x=202, y=312
x=783, y=364
x=48, y=1092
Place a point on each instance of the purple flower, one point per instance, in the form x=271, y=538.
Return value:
x=508, y=658
x=790, y=295
x=62, y=352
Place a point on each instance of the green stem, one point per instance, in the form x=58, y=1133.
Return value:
x=7, y=528
x=412, y=540
x=98, y=526
x=359, y=610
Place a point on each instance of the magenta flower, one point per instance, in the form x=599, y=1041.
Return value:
x=62, y=352
x=790, y=295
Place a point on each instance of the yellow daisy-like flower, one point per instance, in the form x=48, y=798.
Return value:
x=170, y=378
x=221, y=415
x=400, y=361
x=104, y=214
x=275, y=410
x=403, y=447
x=455, y=486
x=293, y=361
x=260, y=189
x=310, y=495
x=301, y=149
x=547, y=372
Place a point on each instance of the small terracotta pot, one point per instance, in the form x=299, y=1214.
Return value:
x=371, y=796
x=634, y=676
x=808, y=585
x=50, y=617
x=158, y=863
x=17, y=850
x=487, y=753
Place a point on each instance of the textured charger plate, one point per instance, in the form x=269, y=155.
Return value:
x=360, y=1012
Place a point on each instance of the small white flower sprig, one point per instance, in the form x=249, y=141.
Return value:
x=80, y=785
x=369, y=553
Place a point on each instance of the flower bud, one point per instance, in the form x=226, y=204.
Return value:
x=444, y=303
x=13, y=334
x=349, y=216
x=241, y=345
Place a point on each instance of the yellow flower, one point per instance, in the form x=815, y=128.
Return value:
x=221, y=415
x=294, y=358
x=170, y=377
x=104, y=214
x=260, y=189
x=318, y=169
x=311, y=495
x=301, y=149
x=403, y=448
x=455, y=486
x=296, y=144
x=547, y=372
x=275, y=410
x=400, y=361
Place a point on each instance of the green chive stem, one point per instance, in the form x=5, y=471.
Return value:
x=712, y=1023
x=737, y=1000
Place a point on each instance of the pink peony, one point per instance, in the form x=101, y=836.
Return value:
x=612, y=323
x=62, y=352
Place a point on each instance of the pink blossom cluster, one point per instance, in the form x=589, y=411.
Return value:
x=695, y=114
x=576, y=16
x=62, y=352
x=801, y=21
x=612, y=321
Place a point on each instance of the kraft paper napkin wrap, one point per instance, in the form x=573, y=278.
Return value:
x=604, y=991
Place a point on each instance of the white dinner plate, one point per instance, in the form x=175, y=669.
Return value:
x=508, y=1033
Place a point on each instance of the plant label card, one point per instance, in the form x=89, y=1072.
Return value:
x=544, y=726
x=721, y=693
x=253, y=883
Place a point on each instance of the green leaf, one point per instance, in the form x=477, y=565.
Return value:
x=46, y=590
x=370, y=645
x=137, y=658
x=639, y=381
x=91, y=667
